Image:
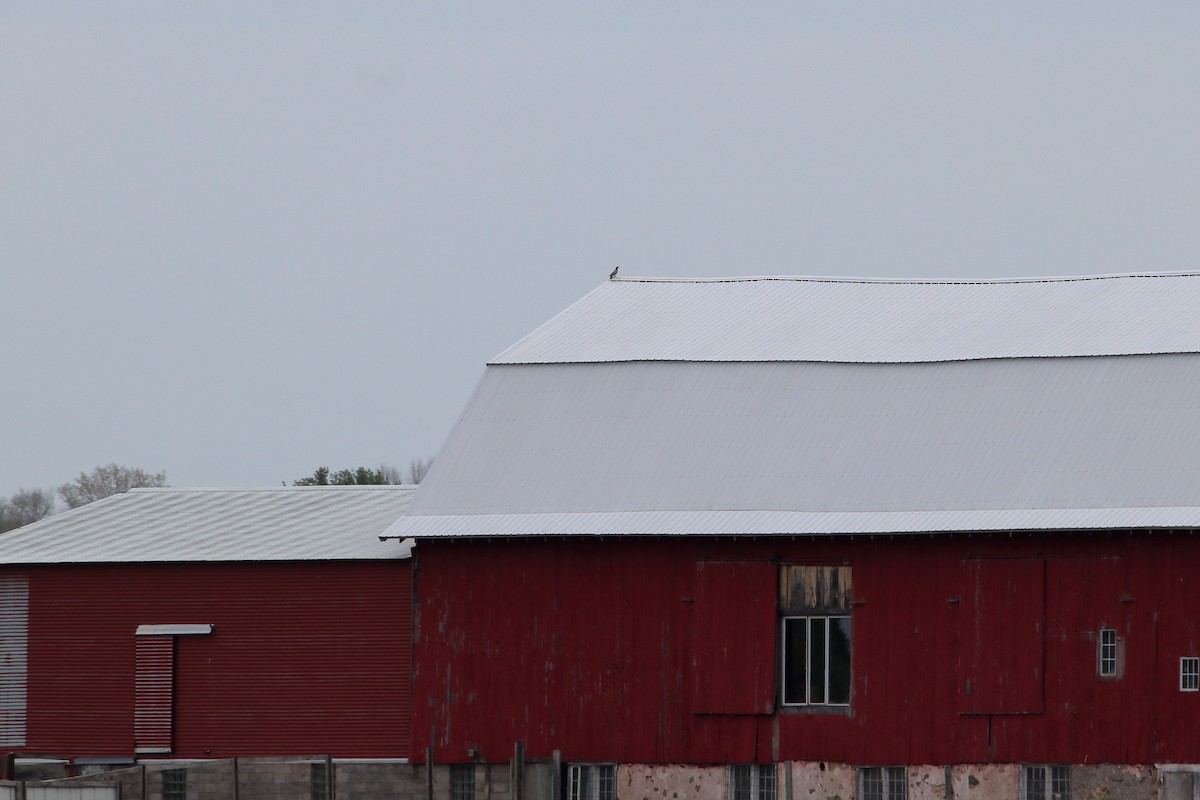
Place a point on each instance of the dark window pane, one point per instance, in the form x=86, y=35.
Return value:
x=1060, y=783
x=739, y=778
x=872, y=783
x=766, y=782
x=1035, y=783
x=606, y=779
x=839, y=659
x=816, y=660
x=794, y=637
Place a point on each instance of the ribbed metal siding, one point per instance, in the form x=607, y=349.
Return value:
x=305, y=657
x=14, y=632
x=154, y=693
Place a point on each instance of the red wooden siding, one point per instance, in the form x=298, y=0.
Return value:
x=153, y=693
x=733, y=638
x=591, y=647
x=1004, y=632
x=303, y=658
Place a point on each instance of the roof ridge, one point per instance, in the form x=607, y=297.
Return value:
x=911, y=281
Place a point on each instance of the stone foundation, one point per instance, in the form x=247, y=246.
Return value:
x=302, y=779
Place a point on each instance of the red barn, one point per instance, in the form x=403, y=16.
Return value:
x=765, y=538
x=208, y=623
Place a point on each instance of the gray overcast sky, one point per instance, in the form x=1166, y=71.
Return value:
x=241, y=240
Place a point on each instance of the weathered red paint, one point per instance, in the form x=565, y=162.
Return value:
x=304, y=657
x=589, y=646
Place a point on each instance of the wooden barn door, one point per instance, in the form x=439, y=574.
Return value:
x=1003, y=636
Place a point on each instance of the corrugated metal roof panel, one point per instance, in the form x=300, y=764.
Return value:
x=675, y=447
x=848, y=320
x=791, y=523
x=270, y=524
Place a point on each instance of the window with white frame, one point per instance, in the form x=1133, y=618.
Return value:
x=1045, y=782
x=814, y=637
x=751, y=782
x=1107, y=657
x=592, y=782
x=883, y=783
x=1189, y=674
x=816, y=661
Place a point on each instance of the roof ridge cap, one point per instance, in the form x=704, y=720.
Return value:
x=910, y=281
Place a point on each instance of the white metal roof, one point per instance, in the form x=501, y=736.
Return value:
x=167, y=524
x=816, y=405
x=739, y=448
x=853, y=320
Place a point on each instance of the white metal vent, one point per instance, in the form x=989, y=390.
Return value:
x=14, y=658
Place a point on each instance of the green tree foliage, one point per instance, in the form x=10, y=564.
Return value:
x=107, y=480
x=365, y=476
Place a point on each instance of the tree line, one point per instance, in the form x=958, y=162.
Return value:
x=27, y=506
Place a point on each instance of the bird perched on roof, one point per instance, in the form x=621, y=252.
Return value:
x=613, y=274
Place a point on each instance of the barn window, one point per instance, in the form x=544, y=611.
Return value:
x=1189, y=674
x=592, y=782
x=815, y=641
x=883, y=783
x=1108, y=653
x=462, y=782
x=1045, y=782
x=174, y=784
x=751, y=782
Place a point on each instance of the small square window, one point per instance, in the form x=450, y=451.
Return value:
x=462, y=782
x=1045, y=782
x=1189, y=674
x=751, y=782
x=883, y=783
x=1108, y=652
x=592, y=782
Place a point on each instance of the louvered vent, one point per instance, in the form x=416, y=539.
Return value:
x=154, y=693
x=14, y=658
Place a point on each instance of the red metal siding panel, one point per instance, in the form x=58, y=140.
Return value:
x=586, y=646
x=733, y=634
x=154, y=693
x=1004, y=632
x=304, y=658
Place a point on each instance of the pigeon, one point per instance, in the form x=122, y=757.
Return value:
x=613, y=274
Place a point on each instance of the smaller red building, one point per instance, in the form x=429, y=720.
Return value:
x=208, y=623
